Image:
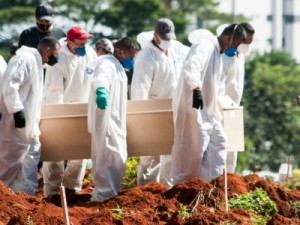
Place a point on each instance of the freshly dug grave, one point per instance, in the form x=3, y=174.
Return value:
x=153, y=204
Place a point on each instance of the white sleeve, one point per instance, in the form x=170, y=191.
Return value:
x=54, y=84
x=3, y=66
x=15, y=76
x=102, y=75
x=235, y=81
x=195, y=63
x=142, y=77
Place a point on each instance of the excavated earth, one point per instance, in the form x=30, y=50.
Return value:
x=151, y=204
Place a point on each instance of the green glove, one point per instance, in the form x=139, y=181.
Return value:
x=102, y=97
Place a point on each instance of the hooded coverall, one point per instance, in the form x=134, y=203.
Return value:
x=200, y=140
x=21, y=88
x=108, y=128
x=155, y=76
x=68, y=81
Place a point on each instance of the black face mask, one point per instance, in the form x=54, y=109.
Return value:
x=52, y=60
x=44, y=27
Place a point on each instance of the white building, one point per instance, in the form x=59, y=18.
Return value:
x=276, y=22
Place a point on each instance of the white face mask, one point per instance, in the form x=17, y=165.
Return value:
x=164, y=45
x=243, y=48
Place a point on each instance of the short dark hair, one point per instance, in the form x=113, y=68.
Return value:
x=127, y=44
x=241, y=30
x=48, y=41
x=248, y=28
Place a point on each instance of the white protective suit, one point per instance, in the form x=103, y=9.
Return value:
x=21, y=89
x=155, y=76
x=108, y=128
x=233, y=72
x=3, y=66
x=200, y=140
x=68, y=81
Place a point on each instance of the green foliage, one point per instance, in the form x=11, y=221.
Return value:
x=130, y=17
x=184, y=211
x=257, y=201
x=296, y=207
x=4, y=49
x=294, y=180
x=17, y=14
x=79, y=11
x=271, y=115
x=227, y=223
x=87, y=179
x=129, y=179
x=117, y=213
x=124, y=17
x=259, y=220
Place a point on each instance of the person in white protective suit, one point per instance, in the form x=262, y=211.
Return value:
x=232, y=83
x=199, y=137
x=69, y=82
x=104, y=46
x=156, y=72
x=20, y=105
x=233, y=75
x=107, y=120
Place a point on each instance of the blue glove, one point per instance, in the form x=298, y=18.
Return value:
x=102, y=97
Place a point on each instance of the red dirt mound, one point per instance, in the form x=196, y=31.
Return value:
x=153, y=204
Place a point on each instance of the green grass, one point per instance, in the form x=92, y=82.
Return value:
x=257, y=201
x=129, y=179
x=184, y=211
x=117, y=213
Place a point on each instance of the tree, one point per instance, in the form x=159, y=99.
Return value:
x=16, y=11
x=130, y=17
x=272, y=118
x=124, y=17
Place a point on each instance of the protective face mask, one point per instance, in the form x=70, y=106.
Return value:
x=243, y=48
x=52, y=60
x=231, y=51
x=164, y=45
x=128, y=63
x=44, y=27
x=80, y=51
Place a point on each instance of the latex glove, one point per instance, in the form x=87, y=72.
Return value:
x=19, y=118
x=102, y=97
x=197, y=99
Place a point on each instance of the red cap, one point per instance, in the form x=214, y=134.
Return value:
x=77, y=33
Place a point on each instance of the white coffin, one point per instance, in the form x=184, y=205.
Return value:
x=150, y=129
x=233, y=123
x=64, y=132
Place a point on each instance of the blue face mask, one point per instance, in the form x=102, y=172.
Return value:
x=80, y=51
x=231, y=51
x=128, y=63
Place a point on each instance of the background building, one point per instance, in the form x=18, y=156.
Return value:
x=276, y=22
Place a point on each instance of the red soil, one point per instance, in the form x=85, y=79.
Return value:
x=152, y=204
